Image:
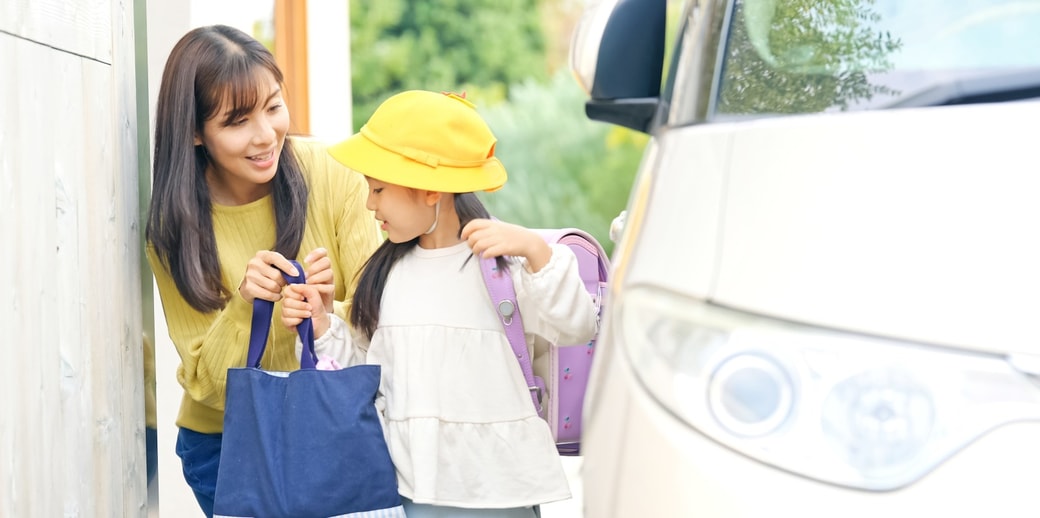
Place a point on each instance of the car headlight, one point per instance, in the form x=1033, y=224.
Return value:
x=848, y=409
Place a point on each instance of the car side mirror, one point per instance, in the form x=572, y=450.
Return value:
x=617, y=55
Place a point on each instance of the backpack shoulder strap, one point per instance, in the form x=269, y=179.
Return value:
x=503, y=296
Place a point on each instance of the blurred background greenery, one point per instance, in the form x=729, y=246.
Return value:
x=511, y=59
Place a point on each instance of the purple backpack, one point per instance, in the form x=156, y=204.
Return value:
x=558, y=384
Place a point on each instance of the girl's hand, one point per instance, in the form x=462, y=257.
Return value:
x=492, y=238
x=263, y=279
x=320, y=275
x=296, y=307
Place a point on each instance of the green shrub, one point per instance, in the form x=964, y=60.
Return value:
x=564, y=169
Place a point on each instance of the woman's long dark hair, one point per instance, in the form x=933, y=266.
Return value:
x=207, y=66
x=364, y=312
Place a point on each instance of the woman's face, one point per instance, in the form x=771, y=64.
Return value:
x=244, y=152
x=404, y=213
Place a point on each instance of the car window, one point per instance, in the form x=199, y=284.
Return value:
x=809, y=56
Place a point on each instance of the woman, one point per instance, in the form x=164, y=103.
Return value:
x=232, y=199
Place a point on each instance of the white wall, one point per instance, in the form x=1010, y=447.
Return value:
x=167, y=21
x=328, y=47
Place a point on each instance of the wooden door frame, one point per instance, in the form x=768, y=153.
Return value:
x=290, y=51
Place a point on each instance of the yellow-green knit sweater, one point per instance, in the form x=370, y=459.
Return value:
x=210, y=343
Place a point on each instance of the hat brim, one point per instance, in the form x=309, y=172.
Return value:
x=362, y=155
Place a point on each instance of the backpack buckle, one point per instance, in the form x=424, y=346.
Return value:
x=538, y=394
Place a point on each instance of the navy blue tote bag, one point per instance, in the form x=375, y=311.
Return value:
x=302, y=444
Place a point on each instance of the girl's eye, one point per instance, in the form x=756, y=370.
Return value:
x=275, y=107
x=377, y=190
x=239, y=122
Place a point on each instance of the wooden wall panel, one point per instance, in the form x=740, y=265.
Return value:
x=81, y=27
x=71, y=387
x=28, y=235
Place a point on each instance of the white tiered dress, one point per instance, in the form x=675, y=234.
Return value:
x=458, y=417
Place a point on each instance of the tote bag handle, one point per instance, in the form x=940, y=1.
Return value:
x=263, y=310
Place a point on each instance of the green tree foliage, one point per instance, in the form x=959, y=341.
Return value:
x=451, y=45
x=803, y=56
x=564, y=170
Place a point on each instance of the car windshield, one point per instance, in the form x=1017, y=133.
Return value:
x=808, y=56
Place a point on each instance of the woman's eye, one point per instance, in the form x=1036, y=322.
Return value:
x=275, y=107
x=377, y=190
x=239, y=122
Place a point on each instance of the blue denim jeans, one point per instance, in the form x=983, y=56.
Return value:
x=151, y=452
x=200, y=457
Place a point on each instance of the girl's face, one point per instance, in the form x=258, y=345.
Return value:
x=244, y=151
x=405, y=212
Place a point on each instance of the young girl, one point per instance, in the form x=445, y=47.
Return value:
x=232, y=199
x=460, y=424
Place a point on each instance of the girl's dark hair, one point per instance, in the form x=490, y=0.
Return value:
x=364, y=313
x=207, y=66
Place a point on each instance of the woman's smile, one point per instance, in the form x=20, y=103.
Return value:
x=265, y=160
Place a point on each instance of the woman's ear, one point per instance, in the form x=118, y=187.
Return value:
x=198, y=140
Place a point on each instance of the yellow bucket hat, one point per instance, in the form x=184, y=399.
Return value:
x=425, y=140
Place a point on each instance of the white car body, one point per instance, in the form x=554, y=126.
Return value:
x=824, y=314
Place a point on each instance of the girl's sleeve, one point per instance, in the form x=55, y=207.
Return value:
x=338, y=344
x=553, y=302
x=208, y=347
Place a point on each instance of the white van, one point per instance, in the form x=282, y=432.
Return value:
x=826, y=297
